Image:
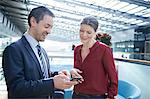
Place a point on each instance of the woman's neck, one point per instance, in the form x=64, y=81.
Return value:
x=89, y=44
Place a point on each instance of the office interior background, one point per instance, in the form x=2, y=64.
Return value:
x=126, y=21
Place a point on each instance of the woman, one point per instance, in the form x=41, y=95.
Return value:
x=94, y=62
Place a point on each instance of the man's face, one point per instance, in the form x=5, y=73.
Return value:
x=43, y=28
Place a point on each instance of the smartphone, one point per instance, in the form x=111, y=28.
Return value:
x=75, y=79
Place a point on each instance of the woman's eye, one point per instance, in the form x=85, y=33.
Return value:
x=89, y=32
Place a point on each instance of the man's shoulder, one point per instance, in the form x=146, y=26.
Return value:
x=15, y=44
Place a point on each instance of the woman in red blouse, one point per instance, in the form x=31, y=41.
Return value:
x=94, y=61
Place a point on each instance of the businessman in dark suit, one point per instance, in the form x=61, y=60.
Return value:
x=24, y=69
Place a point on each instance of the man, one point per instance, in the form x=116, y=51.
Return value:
x=26, y=65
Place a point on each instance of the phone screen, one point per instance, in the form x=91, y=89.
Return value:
x=73, y=79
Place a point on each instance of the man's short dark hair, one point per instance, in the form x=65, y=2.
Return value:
x=90, y=21
x=38, y=13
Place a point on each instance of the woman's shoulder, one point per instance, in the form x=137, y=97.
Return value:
x=78, y=47
x=102, y=45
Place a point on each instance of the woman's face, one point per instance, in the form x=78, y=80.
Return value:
x=87, y=33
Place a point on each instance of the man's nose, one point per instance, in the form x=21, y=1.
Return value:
x=49, y=31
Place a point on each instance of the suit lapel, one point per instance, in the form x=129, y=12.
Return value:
x=31, y=52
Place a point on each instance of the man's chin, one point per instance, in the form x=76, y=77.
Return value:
x=42, y=40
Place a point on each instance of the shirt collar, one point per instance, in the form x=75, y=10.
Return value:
x=95, y=45
x=32, y=41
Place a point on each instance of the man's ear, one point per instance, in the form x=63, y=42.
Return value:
x=33, y=21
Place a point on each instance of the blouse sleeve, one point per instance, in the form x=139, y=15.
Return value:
x=75, y=57
x=110, y=68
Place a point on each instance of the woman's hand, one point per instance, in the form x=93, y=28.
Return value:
x=64, y=72
x=75, y=73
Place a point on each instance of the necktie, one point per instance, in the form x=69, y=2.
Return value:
x=43, y=61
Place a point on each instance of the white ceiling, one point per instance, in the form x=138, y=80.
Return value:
x=113, y=15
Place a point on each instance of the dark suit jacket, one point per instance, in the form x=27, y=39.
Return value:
x=22, y=72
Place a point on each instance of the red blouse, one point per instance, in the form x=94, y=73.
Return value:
x=99, y=72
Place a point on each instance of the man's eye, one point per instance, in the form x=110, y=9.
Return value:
x=81, y=31
x=46, y=26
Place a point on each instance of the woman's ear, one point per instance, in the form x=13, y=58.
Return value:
x=94, y=36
